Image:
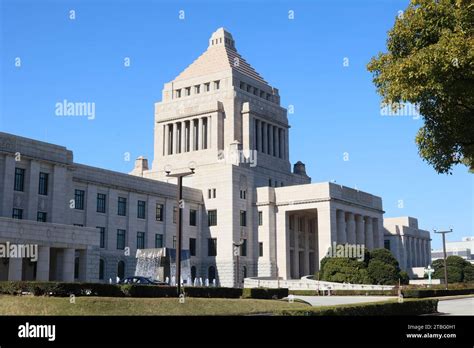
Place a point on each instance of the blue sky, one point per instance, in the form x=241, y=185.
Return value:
x=337, y=110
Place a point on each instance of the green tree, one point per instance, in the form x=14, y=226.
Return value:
x=468, y=274
x=430, y=63
x=454, y=274
x=383, y=273
x=383, y=255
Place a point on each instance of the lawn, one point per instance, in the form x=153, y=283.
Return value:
x=39, y=305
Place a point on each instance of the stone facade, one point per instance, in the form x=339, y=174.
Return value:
x=262, y=217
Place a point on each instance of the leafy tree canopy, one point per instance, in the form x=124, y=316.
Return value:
x=430, y=63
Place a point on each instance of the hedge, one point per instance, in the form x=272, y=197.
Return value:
x=407, y=307
x=393, y=292
x=264, y=293
x=422, y=293
x=59, y=289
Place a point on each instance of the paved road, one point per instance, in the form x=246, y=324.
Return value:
x=337, y=300
x=462, y=306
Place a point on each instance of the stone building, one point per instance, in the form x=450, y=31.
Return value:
x=247, y=211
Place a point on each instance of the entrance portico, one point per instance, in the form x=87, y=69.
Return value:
x=309, y=218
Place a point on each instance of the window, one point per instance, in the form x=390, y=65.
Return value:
x=192, y=246
x=243, y=218
x=243, y=248
x=207, y=87
x=122, y=206
x=76, y=268
x=262, y=94
x=43, y=184
x=212, y=218
x=121, y=269
x=214, y=193
x=17, y=214
x=197, y=89
x=140, y=240
x=212, y=247
x=386, y=244
x=101, y=269
x=159, y=212
x=187, y=91
x=78, y=225
x=260, y=249
x=175, y=214
x=101, y=198
x=79, y=199
x=260, y=218
x=243, y=194
x=102, y=236
x=249, y=88
x=301, y=224
x=192, y=217
x=209, y=193
x=292, y=223
x=174, y=242
x=217, y=85
x=158, y=240
x=178, y=93
x=270, y=182
x=19, y=184
x=120, y=239
x=41, y=216
x=242, y=85
x=141, y=209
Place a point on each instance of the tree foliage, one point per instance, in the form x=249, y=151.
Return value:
x=430, y=63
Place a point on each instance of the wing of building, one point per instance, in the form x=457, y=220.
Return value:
x=248, y=212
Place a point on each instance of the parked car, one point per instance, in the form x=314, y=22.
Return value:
x=141, y=281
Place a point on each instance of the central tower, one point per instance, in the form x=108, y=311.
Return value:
x=221, y=114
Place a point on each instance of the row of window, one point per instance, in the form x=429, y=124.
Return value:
x=255, y=91
x=270, y=183
x=19, y=181
x=79, y=199
x=196, y=89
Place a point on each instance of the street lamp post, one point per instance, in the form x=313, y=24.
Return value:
x=443, y=233
x=179, y=223
x=237, y=254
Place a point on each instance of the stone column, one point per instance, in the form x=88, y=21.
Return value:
x=277, y=142
x=167, y=140
x=258, y=140
x=428, y=251
x=369, y=237
x=209, y=132
x=341, y=227
x=360, y=230
x=42, y=264
x=67, y=271
x=6, y=198
x=15, y=267
x=265, y=138
x=183, y=137
x=376, y=231
x=423, y=252
x=199, y=134
x=296, y=250
x=270, y=139
x=351, y=229
x=407, y=251
x=33, y=185
x=191, y=135
x=306, y=247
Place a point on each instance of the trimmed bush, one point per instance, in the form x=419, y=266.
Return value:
x=393, y=292
x=423, y=293
x=136, y=290
x=213, y=292
x=265, y=293
x=408, y=307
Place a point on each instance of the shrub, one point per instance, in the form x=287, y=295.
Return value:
x=393, y=292
x=468, y=273
x=265, y=293
x=218, y=292
x=344, y=270
x=407, y=307
x=454, y=274
x=136, y=290
x=423, y=293
x=404, y=278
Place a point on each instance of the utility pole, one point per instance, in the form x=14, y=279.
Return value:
x=179, y=222
x=443, y=233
